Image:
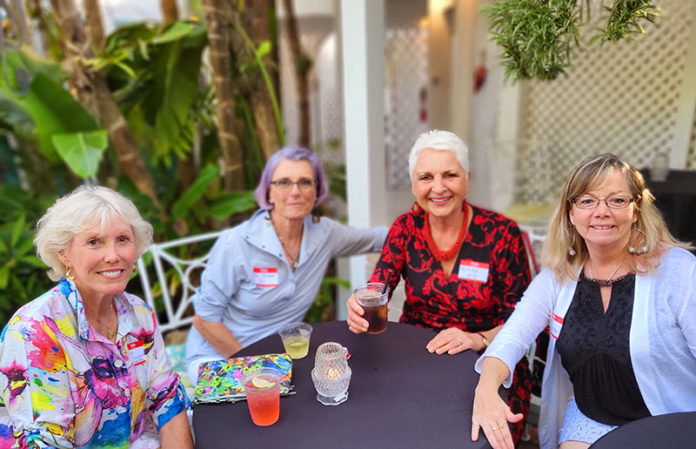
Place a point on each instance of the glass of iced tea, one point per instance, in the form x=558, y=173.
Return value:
x=373, y=299
x=262, y=388
x=295, y=338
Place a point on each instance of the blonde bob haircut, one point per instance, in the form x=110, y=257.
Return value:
x=78, y=211
x=589, y=174
x=439, y=140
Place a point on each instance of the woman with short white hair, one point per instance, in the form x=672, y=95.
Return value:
x=465, y=267
x=84, y=364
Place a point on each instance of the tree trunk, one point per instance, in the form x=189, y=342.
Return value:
x=219, y=18
x=93, y=93
x=20, y=19
x=267, y=132
x=94, y=25
x=170, y=12
x=302, y=65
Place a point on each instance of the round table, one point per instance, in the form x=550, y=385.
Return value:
x=673, y=430
x=400, y=396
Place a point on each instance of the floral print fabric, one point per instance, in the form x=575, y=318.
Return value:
x=439, y=301
x=66, y=385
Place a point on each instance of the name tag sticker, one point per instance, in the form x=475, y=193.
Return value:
x=473, y=271
x=137, y=352
x=266, y=276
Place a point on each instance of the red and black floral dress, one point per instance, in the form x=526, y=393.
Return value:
x=489, y=276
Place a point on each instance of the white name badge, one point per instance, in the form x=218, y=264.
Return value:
x=473, y=271
x=266, y=276
x=137, y=352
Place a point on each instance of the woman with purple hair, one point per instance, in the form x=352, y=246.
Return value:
x=265, y=272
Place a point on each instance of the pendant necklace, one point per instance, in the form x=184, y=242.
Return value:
x=608, y=281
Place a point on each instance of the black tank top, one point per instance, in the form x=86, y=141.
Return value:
x=594, y=350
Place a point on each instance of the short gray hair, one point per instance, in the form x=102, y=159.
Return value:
x=76, y=212
x=439, y=140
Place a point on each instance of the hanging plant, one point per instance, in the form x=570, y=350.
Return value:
x=537, y=36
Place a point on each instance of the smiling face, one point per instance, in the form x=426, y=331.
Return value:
x=605, y=228
x=295, y=202
x=439, y=183
x=101, y=259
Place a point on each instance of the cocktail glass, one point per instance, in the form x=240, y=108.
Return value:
x=295, y=338
x=373, y=299
x=262, y=388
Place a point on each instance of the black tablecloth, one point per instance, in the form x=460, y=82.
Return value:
x=675, y=430
x=400, y=396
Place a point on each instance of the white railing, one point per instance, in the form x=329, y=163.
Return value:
x=175, y=308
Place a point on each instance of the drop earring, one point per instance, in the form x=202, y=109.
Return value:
x=68, y=274
x=643, y=249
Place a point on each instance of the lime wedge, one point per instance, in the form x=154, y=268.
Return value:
x=260, y=382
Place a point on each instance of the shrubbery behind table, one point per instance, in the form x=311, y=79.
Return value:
x=400, y=396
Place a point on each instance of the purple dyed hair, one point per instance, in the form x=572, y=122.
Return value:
x=293, y=154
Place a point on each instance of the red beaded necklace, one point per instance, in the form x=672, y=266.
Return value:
x=439, y=254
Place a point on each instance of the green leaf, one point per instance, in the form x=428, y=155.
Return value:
x=175, y=32
x=17, y=229
x=232, y=203
x=4, y=277
x=195, y=192
x=34, y=261
x=82, y=150
x=263, y=49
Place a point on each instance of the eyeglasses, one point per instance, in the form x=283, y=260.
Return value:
x=303, y=184
x=613, y=202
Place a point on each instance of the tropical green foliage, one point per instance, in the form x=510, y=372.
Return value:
x=537, y=37
x=22, y=274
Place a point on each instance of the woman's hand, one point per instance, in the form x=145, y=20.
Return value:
x=492, y=415
x=356, y=323
x=454, y=341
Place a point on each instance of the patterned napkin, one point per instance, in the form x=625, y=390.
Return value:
x=220, y=380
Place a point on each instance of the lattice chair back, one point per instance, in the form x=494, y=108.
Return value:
x=177, y=269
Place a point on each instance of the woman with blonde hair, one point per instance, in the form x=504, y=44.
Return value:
x=84, y=364
x=619, y=295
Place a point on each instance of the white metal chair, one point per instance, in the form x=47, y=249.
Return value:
x=163, y=257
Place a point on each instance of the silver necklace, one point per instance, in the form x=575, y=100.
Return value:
x=293, y=260
x=608, y=281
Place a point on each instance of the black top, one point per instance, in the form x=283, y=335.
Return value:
x=594, y=350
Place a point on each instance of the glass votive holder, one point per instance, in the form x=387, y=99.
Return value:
x=331, y=374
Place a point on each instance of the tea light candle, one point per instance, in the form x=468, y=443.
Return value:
x=331, y=374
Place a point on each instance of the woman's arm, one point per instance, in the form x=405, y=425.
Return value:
x=176, y=433
x=388, y=270
x=41, y=410
x=218, y=335
x=491, y=413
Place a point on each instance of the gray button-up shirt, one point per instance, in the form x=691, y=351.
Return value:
x=249, y=286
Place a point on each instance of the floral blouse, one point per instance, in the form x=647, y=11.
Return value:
x=65, y=385
x=489, y=276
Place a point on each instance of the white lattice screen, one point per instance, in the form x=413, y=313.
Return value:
x=406, y=82
x=620, y=98
x=406, y=77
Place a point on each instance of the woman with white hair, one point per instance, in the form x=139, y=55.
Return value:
x=84, y=364
x=465, y=267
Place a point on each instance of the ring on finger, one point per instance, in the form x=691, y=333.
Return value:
x=460, y=342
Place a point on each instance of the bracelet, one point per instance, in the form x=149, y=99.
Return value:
x=485, y=340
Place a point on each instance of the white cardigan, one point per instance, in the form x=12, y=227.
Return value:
x=662, y=339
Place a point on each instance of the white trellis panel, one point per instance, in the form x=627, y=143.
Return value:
x=626, y=98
